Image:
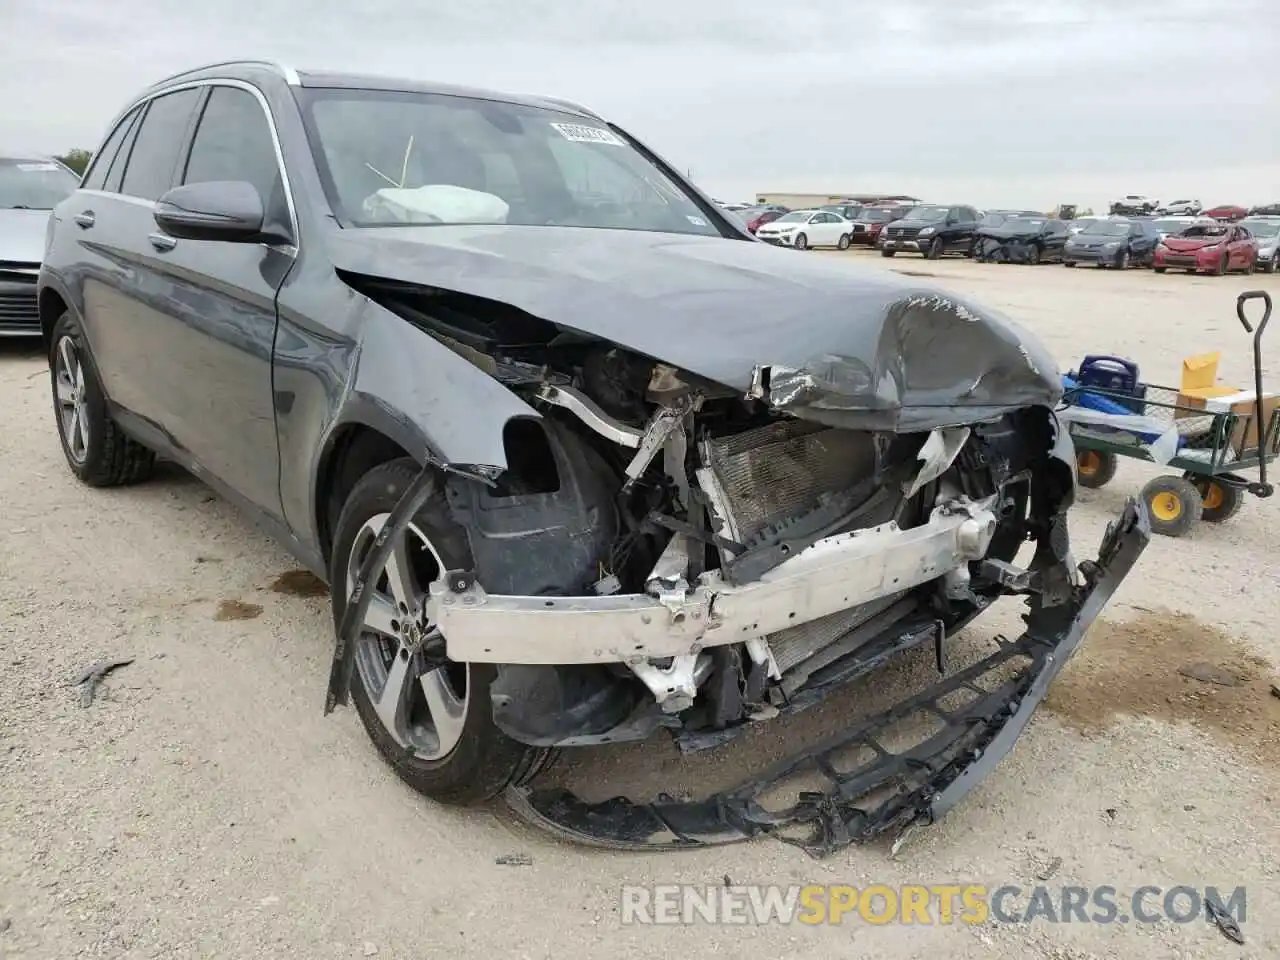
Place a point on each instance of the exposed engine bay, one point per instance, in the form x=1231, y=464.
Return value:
x=666, y=552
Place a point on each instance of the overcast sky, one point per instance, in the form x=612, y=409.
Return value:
x=984, y=101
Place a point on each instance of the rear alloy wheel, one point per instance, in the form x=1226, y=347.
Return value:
x=843, y=242
x=802, y=242
x=433, y=724
x=97, y=450
x=1173, y=504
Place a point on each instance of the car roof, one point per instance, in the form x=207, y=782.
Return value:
x=322, y=79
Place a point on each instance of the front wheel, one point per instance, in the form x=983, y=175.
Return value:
x=935, y=249
x=887, y=253
x=843, y=242
x=1159, y=269
x=1271, y=266
x=802, y=242
x=1224, y=264
x=1123, y=260
x=433, y=724
x=1173, y=504
x=1220, y=501
x=1033, y=255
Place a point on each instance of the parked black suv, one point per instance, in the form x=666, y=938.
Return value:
x=498, y=374
x=931, y=230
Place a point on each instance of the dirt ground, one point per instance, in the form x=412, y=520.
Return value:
x=202, y=806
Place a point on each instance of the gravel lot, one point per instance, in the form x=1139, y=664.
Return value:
x=203, y=806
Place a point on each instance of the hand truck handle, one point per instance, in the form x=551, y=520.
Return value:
x=1264, y=488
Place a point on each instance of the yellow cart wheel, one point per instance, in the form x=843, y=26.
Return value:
x=1095, y=468
x=1173, y=504
x=1221, y=501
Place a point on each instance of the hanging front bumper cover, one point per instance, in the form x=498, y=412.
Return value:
x=889, y=791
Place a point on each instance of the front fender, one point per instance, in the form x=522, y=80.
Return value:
x=434, y=403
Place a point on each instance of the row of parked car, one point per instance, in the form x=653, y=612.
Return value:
x=1192, y=242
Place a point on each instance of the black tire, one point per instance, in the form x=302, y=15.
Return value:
x=1033, y=255
x=1253, y=265
x=935, y=249
x=1220, y=501
x=1173, y=504
x=1271, y=266
x=1068, y=263
x=887, y=253
x=485, y=760
x=110, y=458
x=802, y=242
x=1160, y=269
x=1095, y=468
x=1224, y=264
x=1123, y=260
x=843, y=242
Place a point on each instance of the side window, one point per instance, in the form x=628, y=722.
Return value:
x=969, y=214
x=233, y=142
x=116, y=173
x=96, y=177
x=159, y=142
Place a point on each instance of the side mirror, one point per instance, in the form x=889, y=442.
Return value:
x=226, y=210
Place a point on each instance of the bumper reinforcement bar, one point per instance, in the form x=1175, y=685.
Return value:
x=890, y=790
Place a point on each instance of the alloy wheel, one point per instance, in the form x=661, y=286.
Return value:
x=73, y=411
x=423, y=707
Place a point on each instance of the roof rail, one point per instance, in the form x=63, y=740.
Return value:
x=288, y=73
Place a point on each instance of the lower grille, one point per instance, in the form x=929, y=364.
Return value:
x=18, y=307
x=779, y=470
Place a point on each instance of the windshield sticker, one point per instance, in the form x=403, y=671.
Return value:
x=38, y=167
x=696, y=221
x=580, y=133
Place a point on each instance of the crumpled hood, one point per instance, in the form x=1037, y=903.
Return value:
x=876, y=350
x=22, y=235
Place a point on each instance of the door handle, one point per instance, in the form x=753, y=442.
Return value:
x=85, y=220
x=162, y=242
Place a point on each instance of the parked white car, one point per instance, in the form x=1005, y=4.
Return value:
x=808, y=228
x=1183, y=208
x=1134, y=204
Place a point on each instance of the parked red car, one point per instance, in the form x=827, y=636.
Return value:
x=1208, y=248
x=868, y=224
x=1227, y=211
x=757, y=217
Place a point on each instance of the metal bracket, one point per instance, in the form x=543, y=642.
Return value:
x=673, y=686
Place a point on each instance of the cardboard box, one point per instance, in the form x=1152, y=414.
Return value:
x=1243, y=403
x=1200, y=371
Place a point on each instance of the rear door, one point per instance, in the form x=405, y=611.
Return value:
x=123, y=303
x=216, y=325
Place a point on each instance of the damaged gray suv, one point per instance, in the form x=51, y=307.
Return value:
x=580, y=459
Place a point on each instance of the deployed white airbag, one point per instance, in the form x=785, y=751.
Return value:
x=441, y=202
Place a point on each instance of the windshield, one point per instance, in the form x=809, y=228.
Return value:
x=401, y=158
x=1025, y=224
x=797, y=216
x=926, y=213
x=1170, y=226
x=34, y=184
x=1263, y=228
x=1107, y=228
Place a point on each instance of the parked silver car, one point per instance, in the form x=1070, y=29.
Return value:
x=30, y=186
